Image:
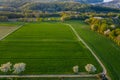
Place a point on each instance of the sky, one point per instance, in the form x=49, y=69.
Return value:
x=107, y=0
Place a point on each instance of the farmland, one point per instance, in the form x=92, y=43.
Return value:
x=46, y=48
x=105, y=48
x=59, y=40
x=6, y=28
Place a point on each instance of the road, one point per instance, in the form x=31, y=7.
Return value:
x=46, y=76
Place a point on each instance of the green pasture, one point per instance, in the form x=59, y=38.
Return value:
x=46, y=48
x=105, y=49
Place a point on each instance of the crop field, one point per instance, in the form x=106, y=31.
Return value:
x=105, y=48
x=46, y=48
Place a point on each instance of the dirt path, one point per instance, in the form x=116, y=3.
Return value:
x=93, y=53
x=46, y=76
x=5, y=31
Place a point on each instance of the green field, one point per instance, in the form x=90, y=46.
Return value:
x=9, y=24
x=46, y=48
x=105, y=48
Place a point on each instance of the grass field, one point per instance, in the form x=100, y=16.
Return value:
x=9, y=24
x=106, y=49
x=46, y=48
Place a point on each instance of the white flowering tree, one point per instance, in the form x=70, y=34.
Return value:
x=6, y=67
x=18, y=68
x=90, y=68
x=75, y=69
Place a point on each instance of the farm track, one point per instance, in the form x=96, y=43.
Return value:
x=47, y=76
x=93, y=53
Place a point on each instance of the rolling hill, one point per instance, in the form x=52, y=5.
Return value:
x=112, y=4
x=81, y=1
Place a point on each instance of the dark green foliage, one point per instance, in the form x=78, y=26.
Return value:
x=12, y=14
x=68, y=6
x=103, y=9
x=3, y=18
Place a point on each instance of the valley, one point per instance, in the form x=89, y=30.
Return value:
x=59, y=40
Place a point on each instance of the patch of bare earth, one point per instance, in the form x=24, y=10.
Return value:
x=4, y=30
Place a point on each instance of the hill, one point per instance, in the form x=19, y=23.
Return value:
x=112, y=4
x=67, y=6
x=81, y=1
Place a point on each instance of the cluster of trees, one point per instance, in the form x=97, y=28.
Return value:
x=15, y=69
x=68, y=6
x=3, y=18
x=90, y=68
x=103, y=15
x=38, y=19
x=28, y=14
x=13, y=3
x=73, y=16
x=11, y=15
x=106, y=26
x=54, y=6
x=65, y=15
x=83, y=16
x=115, y=35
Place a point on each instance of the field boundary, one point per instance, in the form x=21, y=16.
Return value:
x=47, y=76
x=11, y=32
x=93, y=53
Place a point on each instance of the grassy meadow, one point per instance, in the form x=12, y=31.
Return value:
x=46, y=48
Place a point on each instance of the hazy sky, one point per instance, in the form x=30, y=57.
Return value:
x=107, y=0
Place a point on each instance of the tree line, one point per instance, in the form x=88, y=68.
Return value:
x=106, y=26
x=68, y=6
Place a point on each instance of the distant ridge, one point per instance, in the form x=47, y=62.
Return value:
x=111, y=4
x=81, y=1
